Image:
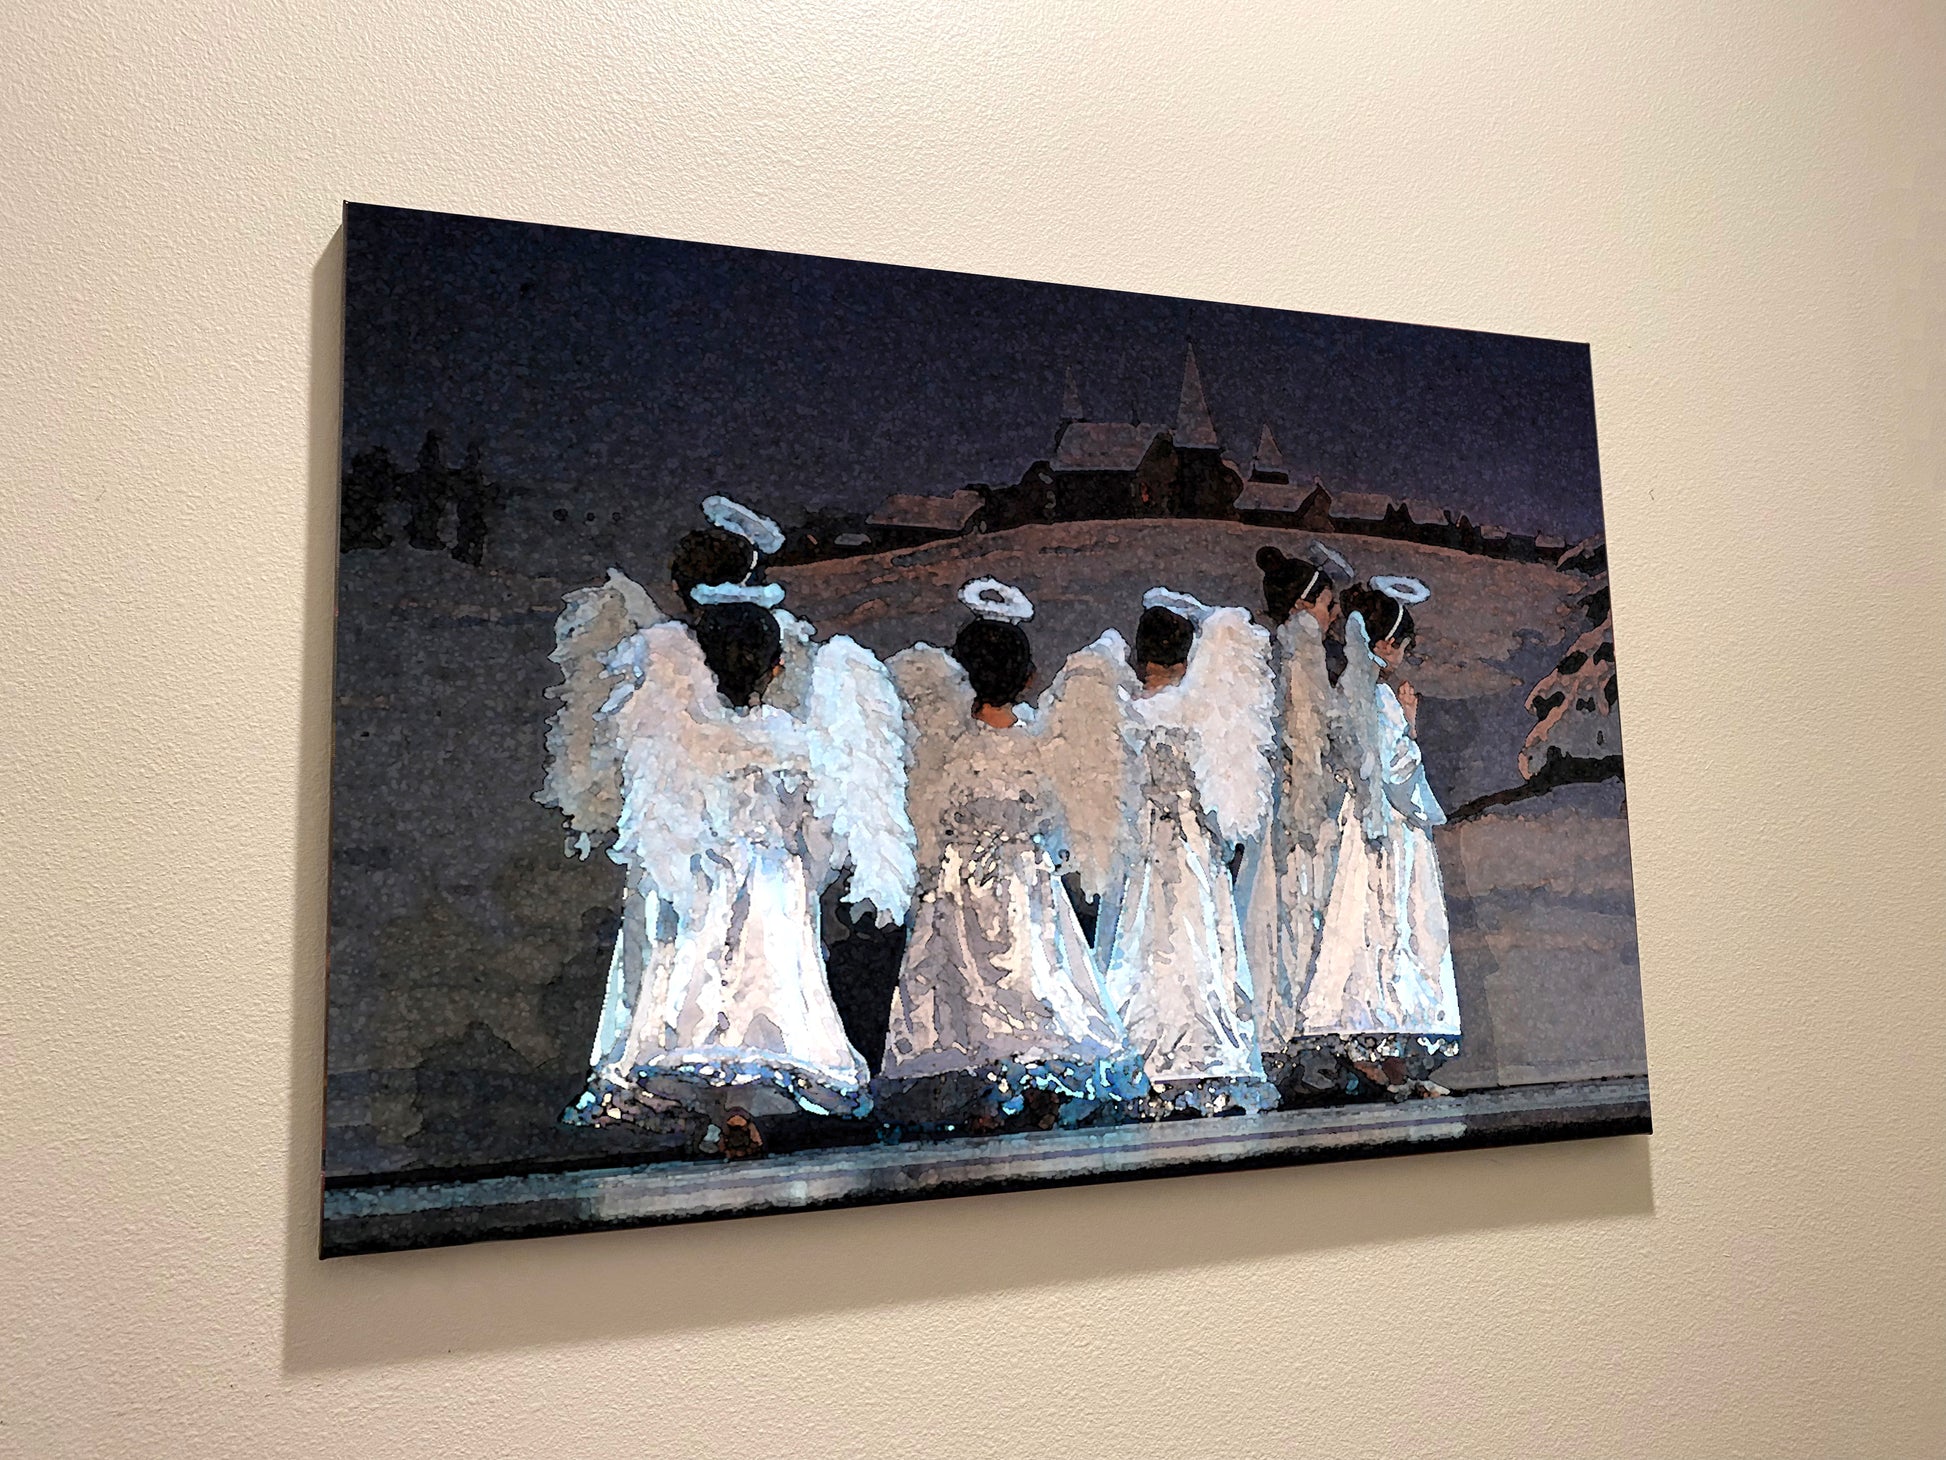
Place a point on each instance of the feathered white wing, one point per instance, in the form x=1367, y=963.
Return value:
x=858, y=774
x=1088, y=751
x=1226, y=705
x=1303, y=716
x=677, y=740
x=1359, y=728
x=938, y=705
x=583, y=757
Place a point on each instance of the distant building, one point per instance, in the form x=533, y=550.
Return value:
x=1115, y=469
x=907, y=519
x=1107, y=470
x=1421, y=521
x=1271, y=499
x=1268, y=464
x=826, y=534
x=376, y=494
x=1285, y=504
x=1365, y=512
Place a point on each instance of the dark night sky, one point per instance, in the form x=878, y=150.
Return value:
x=641, y=367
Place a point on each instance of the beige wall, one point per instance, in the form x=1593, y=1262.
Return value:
x=1746, y=216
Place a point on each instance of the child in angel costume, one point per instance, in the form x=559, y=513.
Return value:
x=1285, y=881
x=1176, y=966
x=582, y=757
x=1000, y=1009
x=1383, y=994
x=730, y=814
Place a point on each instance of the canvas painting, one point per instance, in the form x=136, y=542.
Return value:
x=812, y=733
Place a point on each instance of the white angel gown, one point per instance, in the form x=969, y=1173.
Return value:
x=1176, y=966
x=998, y=992
x=1285, y=881
x=730, y=823
x=1384, y=985
x=605, y=652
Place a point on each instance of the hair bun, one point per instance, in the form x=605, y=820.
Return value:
x=1269, y=560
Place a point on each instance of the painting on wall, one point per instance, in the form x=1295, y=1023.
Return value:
x=811, y=733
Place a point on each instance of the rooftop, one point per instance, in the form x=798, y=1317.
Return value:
x=938, y=514
x=1360, y=506
x=935, y=512
x=1104, y=446
x=1260, y=496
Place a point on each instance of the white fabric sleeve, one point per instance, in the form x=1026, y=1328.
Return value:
x=1406, y=787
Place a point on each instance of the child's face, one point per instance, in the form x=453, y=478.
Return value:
x=1391, y=653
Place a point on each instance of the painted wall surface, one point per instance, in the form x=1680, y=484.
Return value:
x=1743, y=211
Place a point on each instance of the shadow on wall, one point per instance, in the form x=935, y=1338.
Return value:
x=488, y=1297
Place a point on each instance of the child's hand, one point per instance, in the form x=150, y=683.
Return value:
x=1409, y=702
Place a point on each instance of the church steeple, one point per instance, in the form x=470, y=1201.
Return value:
x=1194, y=428
x=1268, y=464
x=1071, y=401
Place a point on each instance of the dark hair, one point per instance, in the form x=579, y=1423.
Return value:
x=711, y=555
x=741, y=644
x=1385, y=617
x=1162, y=638
x=997, y=658
x=1289, y=582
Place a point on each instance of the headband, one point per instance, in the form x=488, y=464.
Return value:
x=768, y=596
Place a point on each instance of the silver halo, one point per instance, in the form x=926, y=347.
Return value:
x=753, y=527
x=1180, y=604
x=1330, y=559
x=1401, y=589
x=990, y=598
